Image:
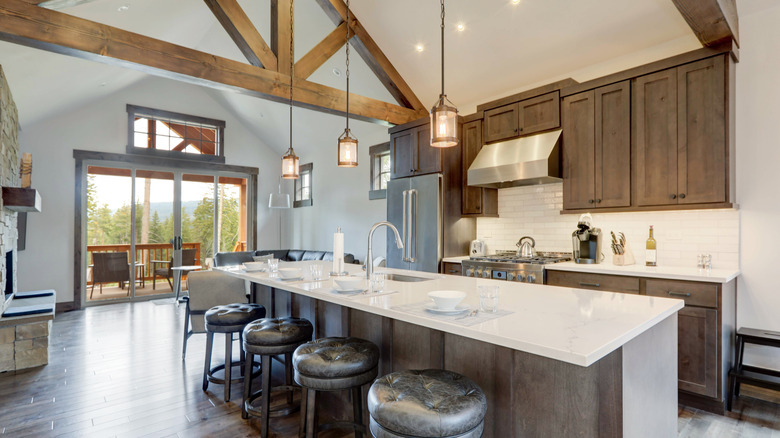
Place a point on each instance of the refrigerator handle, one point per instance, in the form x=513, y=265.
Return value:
x=404, y=256
x=412, y=237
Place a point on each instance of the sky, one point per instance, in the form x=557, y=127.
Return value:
x=115, y=191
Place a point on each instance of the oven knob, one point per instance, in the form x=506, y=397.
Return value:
x=478, y=273
x=469, y=272
x=520, y=277
x=531, y=278
x=486, y=273
x=510, y=276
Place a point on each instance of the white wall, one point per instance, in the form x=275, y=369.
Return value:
x=102, y=126
x=758, y=155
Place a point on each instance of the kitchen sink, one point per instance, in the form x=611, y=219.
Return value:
x=406, y=278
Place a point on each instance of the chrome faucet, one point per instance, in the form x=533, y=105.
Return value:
x=369, y=266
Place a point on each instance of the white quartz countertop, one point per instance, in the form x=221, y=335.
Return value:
x=455, y=259
x=571, y=325
x=639, y=270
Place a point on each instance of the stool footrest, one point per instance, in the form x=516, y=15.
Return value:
x=235, y=379
x=756, y=378
x=274, y=411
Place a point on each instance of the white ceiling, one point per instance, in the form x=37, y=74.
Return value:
x=504, y=47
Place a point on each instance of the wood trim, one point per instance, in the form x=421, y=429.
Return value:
x=164, y=114
x=64, y=307
x=376, y=60
x=712, y=21
x=156, y=161
x=24, y=24
x=320, y=53
x=243, y=33
x=718, y=206
x=674, y=61
x=78, y=225
x=538, y=91
x=426, y=119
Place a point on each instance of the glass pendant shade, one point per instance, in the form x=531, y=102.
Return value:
x=348, y=149
x=290, y=165
x=444, y=124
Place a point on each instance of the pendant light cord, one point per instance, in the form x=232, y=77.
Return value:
x=442, y=47
x=347, y=44
x=292, y=69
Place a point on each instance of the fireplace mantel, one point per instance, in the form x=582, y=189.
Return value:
x=21, y=199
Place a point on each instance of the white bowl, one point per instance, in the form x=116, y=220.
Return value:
x=255, y=266
x=288, y=273
x=348, y=283
x=446, y=299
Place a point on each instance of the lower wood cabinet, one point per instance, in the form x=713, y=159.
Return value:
x=705, y=327
x=452, y=268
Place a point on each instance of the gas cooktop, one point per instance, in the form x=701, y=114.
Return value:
x=509, y=266
x=541, y=258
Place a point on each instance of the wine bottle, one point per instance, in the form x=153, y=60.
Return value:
x=650, y=253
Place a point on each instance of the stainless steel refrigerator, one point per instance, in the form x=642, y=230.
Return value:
x=426, y=209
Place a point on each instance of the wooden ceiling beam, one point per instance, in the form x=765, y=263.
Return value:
x=57, y=32
x=280, y=34
x=369, y=50
x=320, y=53
x=58, y=4
x=243, y=33
x=713, y=21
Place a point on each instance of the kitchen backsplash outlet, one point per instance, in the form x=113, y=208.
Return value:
x=681, y=235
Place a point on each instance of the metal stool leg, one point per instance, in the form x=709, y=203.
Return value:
x=311, y=414
x=248, y=360
x=266, y=408
x=228, y=363
x=304, y=410
x=288, y=378
x=207, y=368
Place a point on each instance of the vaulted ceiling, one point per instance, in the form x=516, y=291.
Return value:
x=504, y=47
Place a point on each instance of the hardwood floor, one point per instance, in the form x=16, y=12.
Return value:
x=116, y=371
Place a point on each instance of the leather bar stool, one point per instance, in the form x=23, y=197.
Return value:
x=227, y=319
x=334, y=364
x=269, y=337
x=426, y=403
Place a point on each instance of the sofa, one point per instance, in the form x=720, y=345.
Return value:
x=287, y=255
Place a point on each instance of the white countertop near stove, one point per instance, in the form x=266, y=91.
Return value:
x=571, y=325
x=638, y=270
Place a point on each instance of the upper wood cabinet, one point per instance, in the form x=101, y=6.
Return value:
x=526, y=117
x=477, y=201
x=411, y=153
x=597, y=148
x=680, y=132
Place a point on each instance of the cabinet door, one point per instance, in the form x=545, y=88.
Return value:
x=701, y=102
x=540, y=113
x=476, y=200
x=613, y=146
x=502, y=123
x=428, y=158
x=402, y=154
x=578, y=151
x=655, y=131
x=697, y=355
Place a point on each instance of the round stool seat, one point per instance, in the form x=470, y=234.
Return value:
x=230, y=318
x=426, y=403
x=330, y=364
x=276, y=335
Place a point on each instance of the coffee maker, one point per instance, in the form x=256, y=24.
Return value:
x=586, y=241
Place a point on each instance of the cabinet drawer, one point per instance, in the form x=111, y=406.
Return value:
x=694, y=294
x=610, y=283
x=453, y=268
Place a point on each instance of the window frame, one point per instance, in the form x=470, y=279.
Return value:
x=135, y=110
x=304, y=168
x=375, y=152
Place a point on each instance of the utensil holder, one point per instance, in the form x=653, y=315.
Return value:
x=625, y=259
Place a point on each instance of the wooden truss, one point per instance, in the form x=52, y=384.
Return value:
x=37, y=24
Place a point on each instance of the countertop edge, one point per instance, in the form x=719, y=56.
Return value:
x=720, y=277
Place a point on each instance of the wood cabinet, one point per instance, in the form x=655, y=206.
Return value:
x=477, y=201
x=453, y=268
x=680, y=128
x=597, y=148
x=528, y=116
x=704, y=327
x=412, y=153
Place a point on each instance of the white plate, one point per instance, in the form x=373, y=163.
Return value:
x=458, y=309
x=347, y=291
x=290, y=279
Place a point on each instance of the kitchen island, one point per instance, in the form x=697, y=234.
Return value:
x=555, y=362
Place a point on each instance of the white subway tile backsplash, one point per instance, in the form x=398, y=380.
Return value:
x=681, y=235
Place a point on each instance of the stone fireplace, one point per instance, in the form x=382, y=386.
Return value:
x=9, y=177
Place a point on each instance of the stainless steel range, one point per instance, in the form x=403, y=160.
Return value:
x=511, y=267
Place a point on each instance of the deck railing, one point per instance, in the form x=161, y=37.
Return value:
x=144, y=253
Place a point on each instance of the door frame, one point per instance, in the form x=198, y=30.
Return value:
x=84, y=159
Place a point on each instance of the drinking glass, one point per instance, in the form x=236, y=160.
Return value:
x=488, y=298
x=316, y=271
x=273, y=265
x=378, y=281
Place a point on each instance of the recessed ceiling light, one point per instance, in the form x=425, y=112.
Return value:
x=123, y=8
x=516, y=2
x=419, y=47
x=461, y=27
x=103, y=84
x=336, y=72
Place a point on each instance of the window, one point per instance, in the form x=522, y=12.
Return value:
x=173, y=135
x=380, y=170
x=303, y=187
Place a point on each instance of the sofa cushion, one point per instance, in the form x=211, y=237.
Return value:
x=280, y=254
x=232, y=258
x=313, y=255
x=295, y=255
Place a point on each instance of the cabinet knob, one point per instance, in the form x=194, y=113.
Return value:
x=673, y=196
x=521, y=129
x=682, y=195
x=590, y=201
x=598, y=201
x=515, y=129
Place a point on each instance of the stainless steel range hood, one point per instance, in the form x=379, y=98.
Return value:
x=535, y=159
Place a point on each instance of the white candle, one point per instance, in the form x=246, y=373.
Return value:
x=338, y=251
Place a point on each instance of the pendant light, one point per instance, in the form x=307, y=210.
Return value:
x=348, y=145
x=444, y=115
x=279, y=200
x=290, y=162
